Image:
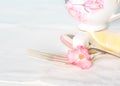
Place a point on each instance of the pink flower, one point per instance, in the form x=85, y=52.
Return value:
x=93, y=5
x=80, y=57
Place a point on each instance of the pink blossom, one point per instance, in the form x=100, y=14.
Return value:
x=93, y=5
x=80, y=57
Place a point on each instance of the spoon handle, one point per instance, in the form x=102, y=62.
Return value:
x=104, y=51
x=67, y=40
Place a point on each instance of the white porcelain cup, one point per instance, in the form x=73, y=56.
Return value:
x=94, y=15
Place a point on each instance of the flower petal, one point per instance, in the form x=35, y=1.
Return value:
x=80, y=57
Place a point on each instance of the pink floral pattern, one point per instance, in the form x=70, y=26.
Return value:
x=80, y=11
x=80, y=57
x=93, y=5
x=75, y=11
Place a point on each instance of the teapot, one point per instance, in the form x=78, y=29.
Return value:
x=93, y=15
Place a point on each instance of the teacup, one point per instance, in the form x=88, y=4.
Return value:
x=94, y=15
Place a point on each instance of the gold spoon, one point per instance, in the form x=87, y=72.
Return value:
x=67, y=40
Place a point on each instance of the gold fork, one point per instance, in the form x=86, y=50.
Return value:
x=47, y=56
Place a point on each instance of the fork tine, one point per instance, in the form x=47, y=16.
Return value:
x=48, y=56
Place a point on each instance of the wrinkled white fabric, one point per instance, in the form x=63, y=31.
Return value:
x=38, y=24
x=17, y=68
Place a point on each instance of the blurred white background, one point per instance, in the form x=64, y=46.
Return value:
x=36, y=12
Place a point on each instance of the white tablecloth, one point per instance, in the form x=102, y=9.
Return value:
x=19, y=69
x=38, y=24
